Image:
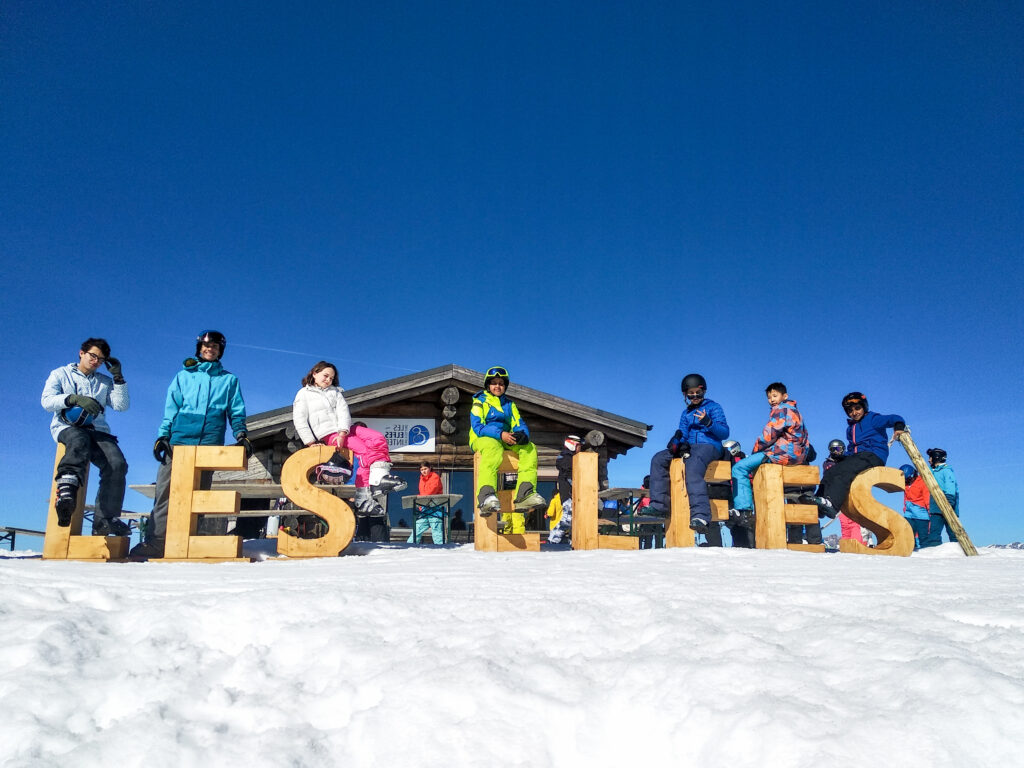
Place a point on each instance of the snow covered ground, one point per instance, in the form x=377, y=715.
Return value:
x=410, y=657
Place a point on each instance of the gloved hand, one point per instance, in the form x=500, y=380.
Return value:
x=114, y=366
x=162, y=449
x=684, y=451
x=88, y=404
x=243, y=441
x=704, y=420
x=521, y=438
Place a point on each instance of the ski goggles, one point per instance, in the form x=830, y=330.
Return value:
x=497, y=371
x=211, y=337
x=851, y=407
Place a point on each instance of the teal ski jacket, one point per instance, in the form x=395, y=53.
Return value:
x=201, y=398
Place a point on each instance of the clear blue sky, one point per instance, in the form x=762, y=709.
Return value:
x=600, y=197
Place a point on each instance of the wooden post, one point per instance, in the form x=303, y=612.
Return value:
x=895, y=536
x=341, y=522
x=952, y=519
x=68, y=543
x=186, y=502
x=677, y=529
x=584, y=501
x=769, y=507
x=486, y=537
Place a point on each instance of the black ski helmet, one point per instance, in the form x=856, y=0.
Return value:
x=211, y=337
x=855, y=398
x=692, y=380
x=937, y=456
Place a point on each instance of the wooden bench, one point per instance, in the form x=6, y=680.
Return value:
x=9, y=533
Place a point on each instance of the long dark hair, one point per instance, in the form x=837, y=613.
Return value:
x=308, y=378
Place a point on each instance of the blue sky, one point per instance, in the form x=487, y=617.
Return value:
x=601, y=198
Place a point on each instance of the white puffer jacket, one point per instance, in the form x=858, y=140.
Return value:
x=317, y=413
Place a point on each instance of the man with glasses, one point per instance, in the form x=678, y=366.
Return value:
x=203, y=397
x=77, y=395
x=867, y=446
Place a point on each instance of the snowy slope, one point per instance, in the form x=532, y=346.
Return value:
x=409, y=657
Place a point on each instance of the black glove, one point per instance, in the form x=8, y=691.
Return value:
x=521, y=438
x=88, y=404
x=114, y=366
x=899, y=426
x=684, y=451
x=161, y=449
x=674, y=441
x=243, y=441
x=705, y=420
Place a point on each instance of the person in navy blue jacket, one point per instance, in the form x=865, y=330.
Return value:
x=698, y=441
x=866, y=446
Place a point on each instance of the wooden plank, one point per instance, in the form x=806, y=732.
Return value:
x=677, y=526
x=718, y=472
x=623, y=543
x=951, y=517
x=518, y=542
x=219, y=547
x=341, y=521
x=894, y=534
x=98, y=548
x=584, y=501
x=807, y=547
x=801, y=514
x=719, y=510
x=801, y=474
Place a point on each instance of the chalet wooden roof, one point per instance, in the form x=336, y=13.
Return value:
x=625, y=433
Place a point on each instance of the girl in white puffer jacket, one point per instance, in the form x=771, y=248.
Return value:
x=320, y=415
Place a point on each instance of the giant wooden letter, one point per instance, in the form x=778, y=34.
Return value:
x=485, y=529
x=773, y=514
x=341, y=522
x=894, y=534
x=186, y=503
x=67, y=543
x=585, y=505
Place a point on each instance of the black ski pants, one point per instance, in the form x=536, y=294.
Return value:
x=836, y=482
x=82, y=446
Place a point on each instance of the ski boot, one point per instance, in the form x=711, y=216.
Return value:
x=488, y=501
x=67, y=499
x=528, y=499
x=381, y=479
x=110, y=526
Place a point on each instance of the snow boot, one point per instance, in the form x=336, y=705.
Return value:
x=147, y=550
x=528, y=499
x=381, y=478
x=366, y=505
x=488, y=501
x=67, y=499
x=110, y=526
x=699, y=525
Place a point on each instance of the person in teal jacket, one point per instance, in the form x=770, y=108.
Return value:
x=202, y=399
x=495, y=426
x=946, y=479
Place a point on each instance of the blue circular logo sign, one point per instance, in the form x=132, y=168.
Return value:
x=418, y=435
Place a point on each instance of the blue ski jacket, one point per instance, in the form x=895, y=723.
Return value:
x=868, y=434
x=489, y=416
x=695, y=433
x=202, y=396
x=946, y=479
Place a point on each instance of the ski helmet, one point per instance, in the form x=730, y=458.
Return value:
x=937, y=455
x=573, y=443
x=211, y=337
x=908, y=472
x=732, y=447
x=855, y=398
x=836, y=446
x=694, y=381
x=495, y=372
x=76, y=417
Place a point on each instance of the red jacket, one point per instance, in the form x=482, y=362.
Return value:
x=430, y=484
x=917, y=493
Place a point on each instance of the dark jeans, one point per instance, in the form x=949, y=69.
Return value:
x=696, y=465
x=157, y=528
x=82, y=446
x=836, y=482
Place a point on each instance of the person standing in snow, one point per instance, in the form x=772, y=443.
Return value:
x=427, y=517
x=495, y=427
x=202, y=399
x=572, y=445
x=320, y=415
x=77, y=395
x=698, y=441
x=946, y=479
x=867, y=446
x=915, y=503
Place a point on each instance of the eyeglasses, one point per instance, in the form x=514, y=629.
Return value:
x=497, y=371
x=95, y=358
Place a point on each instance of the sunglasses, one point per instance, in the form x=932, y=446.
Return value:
x=851, y=407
